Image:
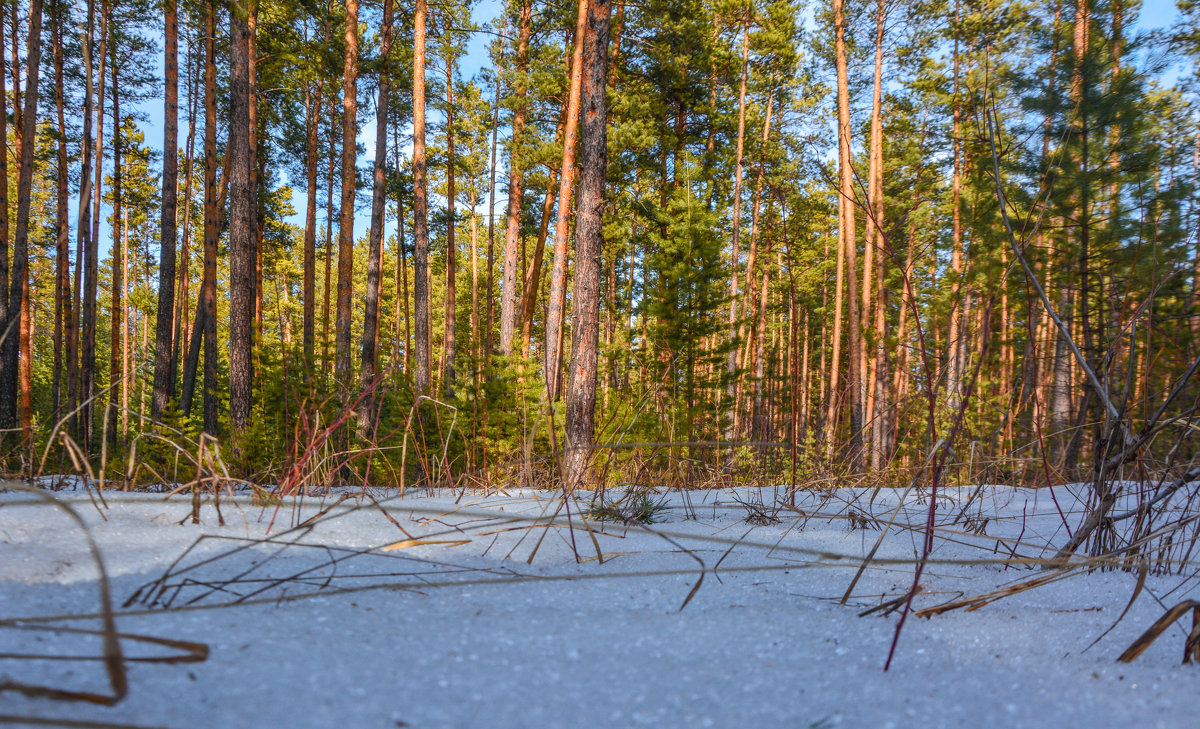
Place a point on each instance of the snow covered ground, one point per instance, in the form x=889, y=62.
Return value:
x=453, y=610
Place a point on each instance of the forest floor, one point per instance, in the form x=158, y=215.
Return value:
x=492, y=611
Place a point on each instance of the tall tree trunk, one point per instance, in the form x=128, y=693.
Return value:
x=330, y=178
x=370, y=353
x=1193, y=301
x=25, y=370
x=204, y=324
x=312, y=117
x=735, y=249
x=402, y=298
x=710, y=146
x=83, y=228
x=241, y=220
x=477, y=336
x=420, y=209
x=491, y=229
x=92, y=290
x=759, y=419
x=585, y=303
x=180, y=331
x=1081, y=130
x=164, y=375
x=875, y=257
x=566, y=182
x=128, y=317
x=257, y=180
x=448, y=331
x=533, y=272
x=116, y=380
x=957, y=334
x=86, y=246
x=20, y=249
x=345, y=283
x=900, y=376
x=64, y=351
x=5, y=330
x=752, y=259
x=516, y=189
x=846, y=253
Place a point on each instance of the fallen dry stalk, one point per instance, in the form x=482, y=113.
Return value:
x=1191, y=647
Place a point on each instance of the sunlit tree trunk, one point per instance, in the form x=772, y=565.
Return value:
x=420, y=209
x=751, y=260
x=566, y=180
x=875, y=258
x=847, y=266
x=759, y=418
x=957, y=333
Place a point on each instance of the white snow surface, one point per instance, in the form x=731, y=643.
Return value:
x=493, y=611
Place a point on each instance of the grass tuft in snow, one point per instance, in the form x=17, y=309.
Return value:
x=636, y=507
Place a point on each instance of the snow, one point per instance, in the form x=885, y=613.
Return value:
x=494, y=611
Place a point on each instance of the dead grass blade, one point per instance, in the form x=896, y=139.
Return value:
x=72, y=723
x=111, y=655
x=1191, y=647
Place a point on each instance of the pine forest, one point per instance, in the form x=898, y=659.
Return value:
x=685, y=243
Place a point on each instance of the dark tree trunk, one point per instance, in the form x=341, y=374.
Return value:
x=4, y=329
x=448, y=346
x=516, y=189
x=180, y=331
x=164, y=374
x=370, y=352
x=241, y=220
x=257, y=176
x=533, y=273
x=345, y=282
x=312, y=117
x=402, y=310
x=116, y=383
x=589, y=244
x=87, y=366
x=204, y=325
x=491, y=232
x=64, y=335
x=329, y=212
x=20, y=249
